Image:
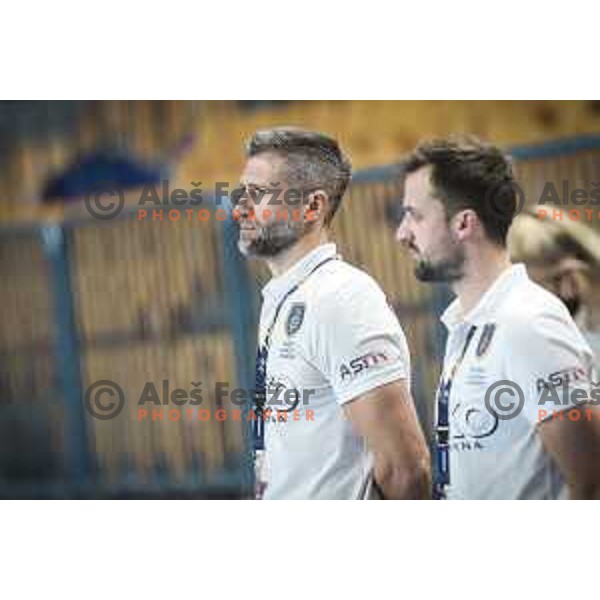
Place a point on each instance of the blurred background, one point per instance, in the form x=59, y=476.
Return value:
x=85, y=299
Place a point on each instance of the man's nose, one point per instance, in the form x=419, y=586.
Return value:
x=245, y=202
x=403, y=233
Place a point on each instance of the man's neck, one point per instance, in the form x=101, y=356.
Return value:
x=285, y=260
x=482, y=269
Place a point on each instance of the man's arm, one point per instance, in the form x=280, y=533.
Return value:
x=386, y=418
x=548, y=353
x=573, y=441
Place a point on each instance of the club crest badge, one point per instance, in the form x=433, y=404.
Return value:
x=295, y=318
x=485, y=339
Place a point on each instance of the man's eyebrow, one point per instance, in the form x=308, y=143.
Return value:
x=257, y=186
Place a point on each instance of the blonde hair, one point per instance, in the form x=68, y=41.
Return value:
x=535, y=240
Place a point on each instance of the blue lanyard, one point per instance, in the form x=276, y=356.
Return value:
x=442, y=478
x=262, y=355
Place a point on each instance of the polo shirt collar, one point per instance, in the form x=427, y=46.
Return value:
x=480, y=313
x=278, y=286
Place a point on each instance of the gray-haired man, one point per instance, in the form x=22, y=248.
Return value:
x=325, y=329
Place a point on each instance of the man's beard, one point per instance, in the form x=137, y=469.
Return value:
x=445, y=271
x=270, y=240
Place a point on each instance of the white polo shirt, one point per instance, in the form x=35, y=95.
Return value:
x=524, y=334
x=335, y=339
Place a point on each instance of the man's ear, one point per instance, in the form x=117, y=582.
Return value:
x=465, y=223
x=317, y=206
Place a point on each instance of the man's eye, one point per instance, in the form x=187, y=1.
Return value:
x=237, y=195
x=256, y=193
x=406, y=213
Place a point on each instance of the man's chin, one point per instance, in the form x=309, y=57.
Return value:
x=425, y=273
x=243, y=248
x=429, y=273
x=248, y=249
x=266, y=245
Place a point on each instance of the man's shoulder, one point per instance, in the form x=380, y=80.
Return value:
x=341, y=281
x=523, y=301
x=530, y=307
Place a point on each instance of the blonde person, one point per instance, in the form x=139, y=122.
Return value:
x=563, y=257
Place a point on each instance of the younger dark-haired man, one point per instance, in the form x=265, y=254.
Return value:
x=514, y=418
x=325, y=329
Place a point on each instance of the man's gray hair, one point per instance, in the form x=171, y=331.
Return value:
x=313, y=160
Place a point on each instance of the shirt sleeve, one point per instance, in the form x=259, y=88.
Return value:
x=551, y=363
x=359, y=344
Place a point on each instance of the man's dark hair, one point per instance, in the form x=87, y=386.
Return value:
x=468, y=173
x=313, y=160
